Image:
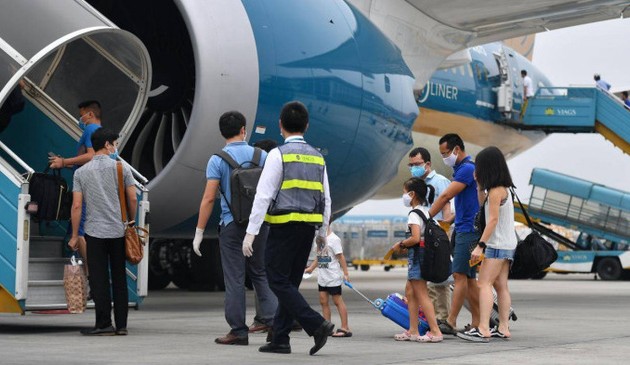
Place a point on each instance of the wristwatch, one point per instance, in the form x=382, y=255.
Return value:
x=481, y=244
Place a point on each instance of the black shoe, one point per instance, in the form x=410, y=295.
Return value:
x=121, y=332
x=269, y=335
x=280, y=348
x=107, y=331
x=321, y=336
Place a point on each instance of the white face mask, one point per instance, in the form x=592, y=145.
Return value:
x=450, y=160
x=406, y=200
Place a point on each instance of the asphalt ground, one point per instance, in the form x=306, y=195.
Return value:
x=563, y=319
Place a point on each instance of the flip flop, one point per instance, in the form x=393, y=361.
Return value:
x=342, y=333
x=494, y=332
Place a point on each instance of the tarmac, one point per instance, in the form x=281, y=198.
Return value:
x=562, y=319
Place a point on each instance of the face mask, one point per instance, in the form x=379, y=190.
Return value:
x=418, y=171
x=406, y=200
x=81, y=125
x=114, y=155
x=450, y=160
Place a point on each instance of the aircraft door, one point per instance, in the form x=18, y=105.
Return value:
x=505, y=91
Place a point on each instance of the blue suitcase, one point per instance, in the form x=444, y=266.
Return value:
x=394, y=308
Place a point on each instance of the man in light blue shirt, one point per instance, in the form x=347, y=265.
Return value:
x=601, y=83
x=231, y=234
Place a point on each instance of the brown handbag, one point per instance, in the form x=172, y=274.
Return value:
x=133, y=235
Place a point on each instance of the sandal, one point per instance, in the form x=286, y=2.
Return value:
x=342, y=333
x=405, y=336
x=473, y=335
x=446, y=328
x=494, y=332
x=429, y=337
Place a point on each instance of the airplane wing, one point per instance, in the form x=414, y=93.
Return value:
x=428, y=31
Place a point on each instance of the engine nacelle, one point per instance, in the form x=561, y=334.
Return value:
x=253, y=56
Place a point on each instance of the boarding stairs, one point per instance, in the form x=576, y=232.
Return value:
x=598, y=212
x=578, y=110
x=67, y=60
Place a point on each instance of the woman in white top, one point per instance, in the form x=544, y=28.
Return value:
x=498, y=240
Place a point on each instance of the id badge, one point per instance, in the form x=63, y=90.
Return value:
x=323, y=261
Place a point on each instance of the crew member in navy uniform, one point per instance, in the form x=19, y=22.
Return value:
x=294, y=198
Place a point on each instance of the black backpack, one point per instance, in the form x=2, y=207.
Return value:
x=436, y=264
x=243, y=182
x=50, y=192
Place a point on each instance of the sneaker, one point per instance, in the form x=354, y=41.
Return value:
x=257, y=327
x=121, y=332
x=232, y=339
x=428, y=337
x=473, y=335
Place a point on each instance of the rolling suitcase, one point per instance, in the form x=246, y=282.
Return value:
x=394, y=308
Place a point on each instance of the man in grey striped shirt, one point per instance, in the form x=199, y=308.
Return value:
x=96, y=183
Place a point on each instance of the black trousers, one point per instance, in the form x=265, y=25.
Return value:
x=288, y=247
x=106, y=256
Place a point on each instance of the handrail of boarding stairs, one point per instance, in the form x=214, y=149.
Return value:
x=17, y=159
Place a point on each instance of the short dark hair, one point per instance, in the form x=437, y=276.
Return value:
x=230, y=123
x=492, y=169
x=266, y=144
x=423, y=152
x=102, y=135
x=294, y=117
x=596, y=77
x=523, y=72
x=624, y=93
x=91, y=105
x=452, y=140
x=420, y=188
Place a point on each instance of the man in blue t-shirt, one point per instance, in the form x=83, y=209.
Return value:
x=231, y=235
x=89, y=121
x=464, y=189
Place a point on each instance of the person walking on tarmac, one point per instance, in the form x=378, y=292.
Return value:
x=232, y=125
x=464, y=189
x=294, y=198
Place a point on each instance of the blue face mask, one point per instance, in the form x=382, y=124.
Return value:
x=418, y=171
x=114, y=155
x=81, y=125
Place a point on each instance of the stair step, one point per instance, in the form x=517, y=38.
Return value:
x=46, y=246
x=46, y=268
x=46, y=294
x=40, y=283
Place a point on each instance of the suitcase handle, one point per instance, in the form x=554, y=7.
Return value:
x=377, y=304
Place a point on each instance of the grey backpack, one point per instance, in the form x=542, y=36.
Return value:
x=243, y=181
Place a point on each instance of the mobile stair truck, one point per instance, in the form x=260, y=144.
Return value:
x=600, y=213
x=58, y=62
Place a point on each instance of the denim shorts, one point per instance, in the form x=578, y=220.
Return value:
x=414, y=259
x=501, y=254
x=461, y=253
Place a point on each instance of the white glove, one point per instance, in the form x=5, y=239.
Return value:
x=197, y=240
x=321, y=242
x=248, y=243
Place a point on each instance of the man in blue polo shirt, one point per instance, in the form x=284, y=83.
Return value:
x=231, y=234
x=464, y=189
x=89, y=122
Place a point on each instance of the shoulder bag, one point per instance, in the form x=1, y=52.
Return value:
x=133, y=235
x=533, y=254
